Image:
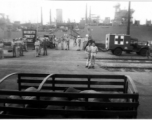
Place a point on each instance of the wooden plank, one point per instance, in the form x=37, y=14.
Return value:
x=16, y=116
x=32, y=75
x=73, y=82
x=71, y=103
x=72, y=112
x=61, y=94
x=89, y=76
x=79, y=88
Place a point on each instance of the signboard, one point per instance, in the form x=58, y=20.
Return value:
x=30, y=35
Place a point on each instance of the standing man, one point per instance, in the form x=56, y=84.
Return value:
x=56, y=43
x=1, y=50
x=68, y=43
x=21, y=43
x=79, y=43
x=17, y=48
x=94, y=51
x=44, y=46
x=88, y=50
x=62, y=43
x=37, y=47
x=25, y=44
x=148, y=50
x=14, y=48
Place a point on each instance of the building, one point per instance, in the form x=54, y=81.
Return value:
x=59, y=18
x=148, y=22
x=106, y=20
x=137, y=22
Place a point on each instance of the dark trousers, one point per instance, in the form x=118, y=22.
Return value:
x=21, y=50
x=45, y=51
x=14, y=51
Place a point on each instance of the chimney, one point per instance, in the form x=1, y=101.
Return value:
x=50, y=17
x=41, y=16
x=86, y=15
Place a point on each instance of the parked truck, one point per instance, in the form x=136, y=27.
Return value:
x=117, y=43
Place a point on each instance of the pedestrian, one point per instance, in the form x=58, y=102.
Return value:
x=56, y=43
x=13, y=47
x=148, y=50
x=88, y=50
x=79, y=43
x=41, y=44
x=37, y=47
x=25, y=44
x=62, y=43
x=21, y=43
x=17, y=48
x=44, y=46
x=68, y=43
x=94, y=51
x=1, y=50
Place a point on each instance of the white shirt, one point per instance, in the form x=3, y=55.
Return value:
x=94, y=49
x=37, y=43
x=88, y=49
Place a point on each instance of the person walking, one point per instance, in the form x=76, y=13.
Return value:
x=94, y=50
x=37, y=47
x=44, y=46
x=17, y=48
x=88, y=50
x=67, y=43
x=21, y=44
x=79, y=43
x=25, y=44
x=148, y=50
x=13, y=47
x=56, y=43
x=1, y=50
x=62, y=43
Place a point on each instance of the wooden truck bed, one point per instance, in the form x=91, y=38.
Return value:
x=70, y=96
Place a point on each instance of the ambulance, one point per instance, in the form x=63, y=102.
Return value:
x=117, y=43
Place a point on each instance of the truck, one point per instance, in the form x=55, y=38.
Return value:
x=117, y=43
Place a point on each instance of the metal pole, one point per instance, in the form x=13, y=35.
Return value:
x=128, y=26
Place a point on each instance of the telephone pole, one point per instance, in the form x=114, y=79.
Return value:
x=128, y=25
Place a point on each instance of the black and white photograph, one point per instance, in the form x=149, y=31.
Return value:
x=76, y=59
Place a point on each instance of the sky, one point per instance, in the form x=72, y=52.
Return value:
x=30, y=10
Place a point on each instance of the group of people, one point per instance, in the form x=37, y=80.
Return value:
x=92, y=51
x=19, y=45
x=41, y=44
x=64, y=41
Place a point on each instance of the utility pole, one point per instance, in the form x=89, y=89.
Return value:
x=90, y=15
x=128, y=26
x=86, y=15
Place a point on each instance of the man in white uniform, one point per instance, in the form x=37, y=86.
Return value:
x=37, y=47
x=94, y=51
x=88, y=50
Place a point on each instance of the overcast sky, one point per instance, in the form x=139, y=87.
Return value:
x=29, y=10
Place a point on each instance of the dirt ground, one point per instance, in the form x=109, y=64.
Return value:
x=73, y=62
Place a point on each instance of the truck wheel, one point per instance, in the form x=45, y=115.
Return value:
x=112, y=51
x=118, y=51
x=143, y=52
x=138, y=53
